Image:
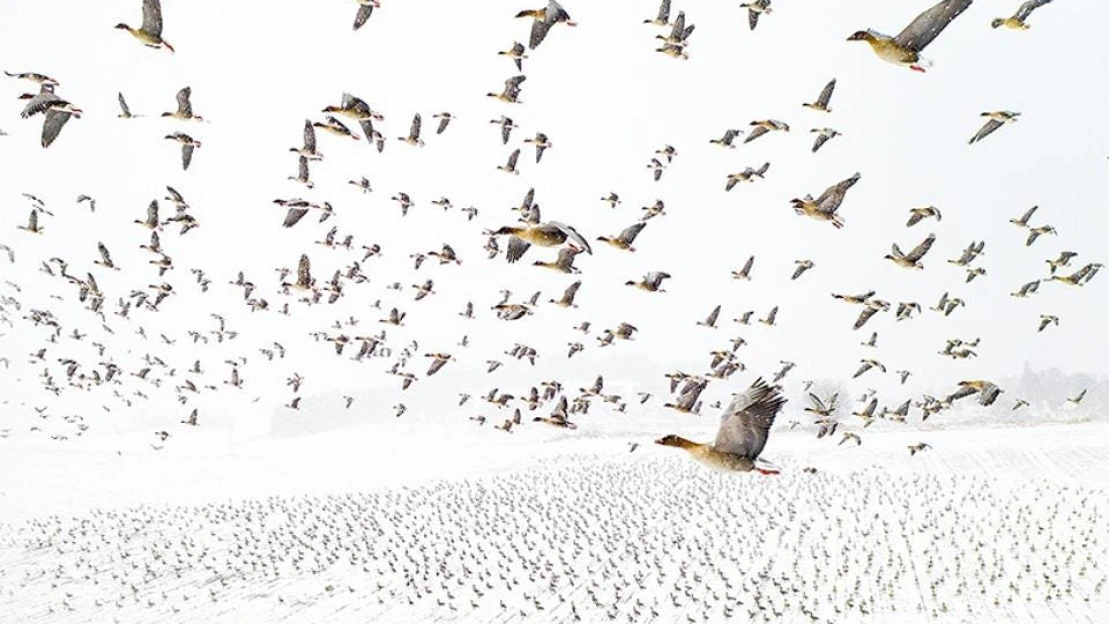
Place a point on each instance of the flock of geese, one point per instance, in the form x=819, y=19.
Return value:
x=746, y=420
x=535, y=546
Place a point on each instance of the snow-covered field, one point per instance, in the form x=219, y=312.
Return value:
x=379, y=524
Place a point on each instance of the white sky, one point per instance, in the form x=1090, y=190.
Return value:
x=606, y=101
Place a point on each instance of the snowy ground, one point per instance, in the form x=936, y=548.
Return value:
x=376, y=524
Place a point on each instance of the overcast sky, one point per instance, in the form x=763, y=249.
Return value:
x=607, y=101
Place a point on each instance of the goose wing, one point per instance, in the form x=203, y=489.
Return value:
x=516, y=248
x=573, y=235
x=756, y=133
x=309, y=136
x=187, y=155
x=826, y=94
x=362, y=15
x=304, y=271
x=1026, y=9
x=152, y=17
x=745, y=424
x=414, y=130
x=918, y=252
x=52, y=126
x=184, y=106
x=123, y=105
x=293, y=216
x=985, y=130
x=929, y=24
x=571, y=292
x=629, y=233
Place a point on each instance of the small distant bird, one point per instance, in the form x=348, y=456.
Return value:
x=710, y=320
x=1022, y=222
x=511, y=92
x=510, y=165
x=916, y=215
x=150, y=33
x=444, y=120
x=516, y=53
x=541, y=143
x=1075, y=400
x=413, y=137
x=802, y=266
x=823, y=136
x=184, y=107
x=626, y=237
x=1047, y=319
x=726, y=140
x=764, y=126
x=1036, y=232
x=543, y=20
x=1018, y=21
x=916, y=448
x=995, y=121
x=188, y=144
x=821, y=103
x=904, y=49
x=755, y=8
x=912, y=259
x=745, y=272
x=652, y=282
x=124, y=110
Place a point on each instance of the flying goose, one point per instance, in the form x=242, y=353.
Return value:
x=904, y=49
x=413, y=137
x=663, y=17
x=550, y=234
x=916, y=215
x=516, y=53
x=184, y=107
x=302, y=175
x=1019, y=20
x=710, y=320
x=543, y=20
x=510, y=165
x=652, y=282
x=821, y=103
x=444, y=120
x=509, y=95
x=188, y=144
x=802, y=266
x=823, y=136
x=744, y=428
x=995, y=121
x=764, y=126
x=565, y=261
x=747, y=175
x=308, y=150
x=824, y=208
x=124, y=110
x=626, y=237
x=541, y=143
x=755, y=8
x=726, y=140
x=912, y=259
x=1022, y=221
x=1047, y=319
x=150, y=33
